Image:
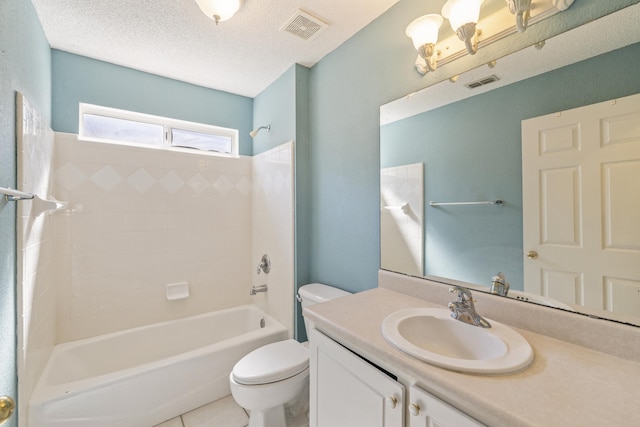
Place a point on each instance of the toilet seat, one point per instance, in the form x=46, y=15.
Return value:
x=273, y=362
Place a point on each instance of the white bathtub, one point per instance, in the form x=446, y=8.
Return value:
x=143, y=376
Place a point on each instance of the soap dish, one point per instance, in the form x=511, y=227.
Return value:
x=177, y=291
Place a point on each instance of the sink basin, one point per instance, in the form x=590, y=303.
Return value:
x=433, y=336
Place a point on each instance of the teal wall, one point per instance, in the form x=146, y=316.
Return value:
x=285, y=106
x=25, y=67
x=303, y=190
x=472, y=151
x=347, y=88
x=80, y=79
x=276, y=105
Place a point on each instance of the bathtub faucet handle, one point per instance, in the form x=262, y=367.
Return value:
x=265, y=264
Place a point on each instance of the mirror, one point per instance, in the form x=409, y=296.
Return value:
x=468, y=144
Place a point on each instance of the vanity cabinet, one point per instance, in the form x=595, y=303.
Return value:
x=346, y=390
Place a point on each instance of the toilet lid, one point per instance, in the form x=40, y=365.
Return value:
x=271, y=363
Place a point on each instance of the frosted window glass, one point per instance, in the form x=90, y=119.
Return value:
x=201, y=141
x=122, y=130
x=104, y=124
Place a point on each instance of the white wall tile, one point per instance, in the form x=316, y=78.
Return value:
x=35, y=241
x=272, y=230
x=69, y=176
x=141, y=219
x=141, y=180
x=402, y=232
x=171, y=182
x=106, y=178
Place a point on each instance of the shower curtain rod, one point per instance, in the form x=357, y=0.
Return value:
x=39, y=204
x=15, y=195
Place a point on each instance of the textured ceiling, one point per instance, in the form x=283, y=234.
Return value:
x=173, y=38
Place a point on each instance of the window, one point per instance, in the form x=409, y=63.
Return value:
x=126, y=127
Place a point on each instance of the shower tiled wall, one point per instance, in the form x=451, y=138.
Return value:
x=140, y=219
x=402, y=218
x=273, y=225
x=35, y=249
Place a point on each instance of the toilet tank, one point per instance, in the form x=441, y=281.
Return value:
x=316, y=293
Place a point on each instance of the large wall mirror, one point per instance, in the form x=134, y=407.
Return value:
x=452, y=144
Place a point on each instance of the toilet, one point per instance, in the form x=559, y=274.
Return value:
x=272, y=382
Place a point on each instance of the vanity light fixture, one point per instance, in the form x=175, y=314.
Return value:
x=472, y=33
x=463, y=16
x=254, y=132
x=424, y=33
x=219, y=10
x=520, y=8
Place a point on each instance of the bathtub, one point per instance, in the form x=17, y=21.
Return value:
x=147, y=375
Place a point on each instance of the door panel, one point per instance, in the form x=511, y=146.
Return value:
x=560, y=198
x=581, y=198
x=621, y=208
x=346, y=391
x=621, y=295
x=562, y=285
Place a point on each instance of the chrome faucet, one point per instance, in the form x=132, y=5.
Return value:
x=464, y=310
x=256, y=289
x=499, y=285
x=265, y=264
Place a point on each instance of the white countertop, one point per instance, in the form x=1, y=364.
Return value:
x=566, y=384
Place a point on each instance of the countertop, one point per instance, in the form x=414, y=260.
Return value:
x=566, y=384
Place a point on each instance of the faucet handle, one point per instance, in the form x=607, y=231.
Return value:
x=499, y=278
x=463, y=293
x=456, y=305
x=264, y=265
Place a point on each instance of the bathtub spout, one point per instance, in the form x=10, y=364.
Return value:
x=255, y=289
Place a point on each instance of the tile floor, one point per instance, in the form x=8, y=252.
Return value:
x=221, y=413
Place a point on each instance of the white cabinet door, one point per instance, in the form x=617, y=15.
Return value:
x=581, y=198
x=347, y=391
x=427, y=411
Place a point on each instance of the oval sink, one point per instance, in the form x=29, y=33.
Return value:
x=433, y=336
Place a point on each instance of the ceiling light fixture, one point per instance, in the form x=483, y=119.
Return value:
x=464, y=17
x=219, y=10
x=254, y=132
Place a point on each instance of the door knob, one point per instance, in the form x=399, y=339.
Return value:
x=7, y=406
x=532, y=254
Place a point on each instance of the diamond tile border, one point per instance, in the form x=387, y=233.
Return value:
x=106, y=178
x=141, y=180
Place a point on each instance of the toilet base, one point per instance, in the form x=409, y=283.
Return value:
x=272, y=417
x=295, y=414
x=278, y=417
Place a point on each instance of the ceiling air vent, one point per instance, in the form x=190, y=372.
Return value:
x=304, y=25
x=483, y=81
